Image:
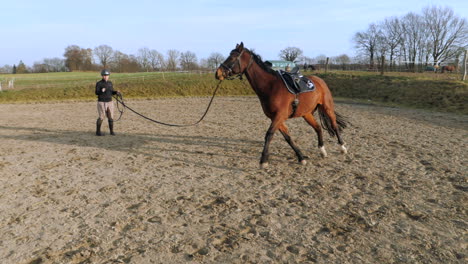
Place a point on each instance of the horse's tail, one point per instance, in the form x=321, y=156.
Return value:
x=327, y=123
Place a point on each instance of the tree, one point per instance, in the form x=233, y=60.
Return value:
x=290, y=53
x=367, y=42
x=55, y=64
x=104, y=54
x=122, y=62
x=14, y=69
x=21, y=68
x=188, y=61
x=214, y=60
x=392, y=37
x=39, y=67
x=343, y=59
x=50, y=65
x=434, y=36
x=6, y=69
x=321, y=59
x=413, y=39
x=143, y=58
x=172, y=58
x=446, y=31
x=78, y=59
x=156, y=60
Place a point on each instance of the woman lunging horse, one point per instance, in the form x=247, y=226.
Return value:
x=277, y=101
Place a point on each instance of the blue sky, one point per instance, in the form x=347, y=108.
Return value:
x=34, y=30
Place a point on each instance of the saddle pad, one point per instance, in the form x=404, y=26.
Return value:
x=297, y=84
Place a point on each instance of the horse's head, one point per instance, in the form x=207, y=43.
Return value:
x=236, y=64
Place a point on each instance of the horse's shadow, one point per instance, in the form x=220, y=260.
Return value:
x=154, y=145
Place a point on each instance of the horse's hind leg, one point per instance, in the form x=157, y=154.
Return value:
x=309, y=118
x=330, y=113
x=285, y=132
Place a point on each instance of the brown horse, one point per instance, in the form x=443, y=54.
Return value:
x=448, y=68
x=277, y=101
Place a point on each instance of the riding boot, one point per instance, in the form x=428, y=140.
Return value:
x=111, y=127
x=98, y=127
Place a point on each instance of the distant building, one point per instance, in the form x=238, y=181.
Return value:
x=280, y=64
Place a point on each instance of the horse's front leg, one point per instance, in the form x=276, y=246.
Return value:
x=284, y=130
x=266, y=152
x=266, y=146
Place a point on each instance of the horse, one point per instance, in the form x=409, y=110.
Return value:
x=309, y=67
x=447, y=68
x=277, y=101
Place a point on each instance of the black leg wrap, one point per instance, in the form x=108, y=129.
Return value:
x=98, y=127
x=111, y=127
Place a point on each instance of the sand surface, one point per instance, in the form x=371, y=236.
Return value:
x=156, y=194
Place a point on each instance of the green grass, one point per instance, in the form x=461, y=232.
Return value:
x=81, y=85
x=427, y=90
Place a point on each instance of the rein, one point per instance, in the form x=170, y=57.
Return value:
x=120, y=100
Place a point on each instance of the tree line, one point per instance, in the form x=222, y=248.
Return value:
x=435, y=37
x=76, y=58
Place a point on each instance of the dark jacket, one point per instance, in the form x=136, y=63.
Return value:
x=107, y=95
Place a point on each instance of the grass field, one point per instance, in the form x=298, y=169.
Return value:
x=420, y=90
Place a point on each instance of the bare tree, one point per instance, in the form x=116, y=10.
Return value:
x=103, y=53
x=290, y=53
x=172, y=58
x=122, y=62
x=156, y=60
x=188, y=61
x=143, y=58
x=392, y=34
x=55, y=64
x=413, y=38
x=117, y=61
x=6, y=69
x=343, y=59
x=321, y=59
x=446, y=31
x=50, y=65
x=214, y=60
x=79, y=59
x=367, y=42
x=381, y=47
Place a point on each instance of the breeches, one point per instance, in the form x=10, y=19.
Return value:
x=105, y=109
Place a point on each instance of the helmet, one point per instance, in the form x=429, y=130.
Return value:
x=105, y=72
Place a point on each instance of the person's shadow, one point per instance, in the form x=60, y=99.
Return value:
x=140, y=143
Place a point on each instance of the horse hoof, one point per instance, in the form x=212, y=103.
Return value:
x=264, y=165
x=303, y=162
x=343, y=149
x=323, y=152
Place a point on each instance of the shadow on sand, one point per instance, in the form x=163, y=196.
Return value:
x=147, y=144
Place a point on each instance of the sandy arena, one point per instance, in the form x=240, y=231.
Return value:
x=156, y=194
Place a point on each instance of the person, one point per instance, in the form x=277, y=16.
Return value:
x=105, y=105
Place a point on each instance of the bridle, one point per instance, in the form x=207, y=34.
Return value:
x=238, y=63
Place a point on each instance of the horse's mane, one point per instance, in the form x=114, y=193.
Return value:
x=262, y=64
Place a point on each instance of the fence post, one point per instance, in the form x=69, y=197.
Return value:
x=383, y=65
x=464, y=65
x=326, y=65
